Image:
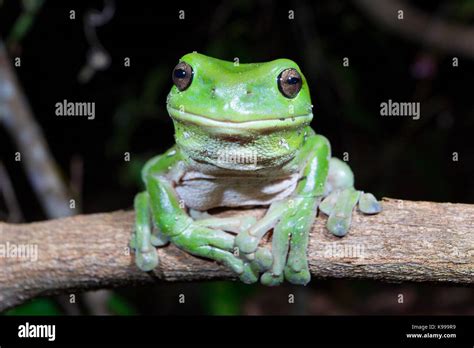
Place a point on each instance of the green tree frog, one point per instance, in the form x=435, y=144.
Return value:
x=243, y=139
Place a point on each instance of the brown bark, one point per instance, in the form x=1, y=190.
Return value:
x=408, y=241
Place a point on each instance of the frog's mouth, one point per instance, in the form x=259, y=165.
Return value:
x=293, y=121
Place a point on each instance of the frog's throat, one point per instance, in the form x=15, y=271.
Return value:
x=265, y=125
x=239, y=149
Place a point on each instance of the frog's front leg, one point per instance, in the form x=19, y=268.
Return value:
x=292, y=218
x=291, y=234
x=146, y=257
x=161, y=205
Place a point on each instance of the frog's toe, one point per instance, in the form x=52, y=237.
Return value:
x=254, y=264
x=338, y=225
x=159, y=239
x=249, y=275
x=270, y=279
x=246, y=243
x=340, y=218
x=263, y=259
x=368, y=204
x=296, y=262
x=301, y=277
x=327, y=205
x=223, y=256
x=147, y=260
x=247, y=222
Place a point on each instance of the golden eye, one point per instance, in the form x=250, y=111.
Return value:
x=182, y=75
x=289, y=82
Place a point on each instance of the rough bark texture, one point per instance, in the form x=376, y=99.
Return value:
x=408, y=241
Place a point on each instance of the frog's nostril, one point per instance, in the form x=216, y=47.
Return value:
x=249, y=92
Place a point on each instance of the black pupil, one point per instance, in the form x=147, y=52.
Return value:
x=292, y=80
x=180, y=73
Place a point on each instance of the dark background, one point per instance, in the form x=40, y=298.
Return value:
x=390, y=156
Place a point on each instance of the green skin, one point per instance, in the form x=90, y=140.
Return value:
x=238, y=109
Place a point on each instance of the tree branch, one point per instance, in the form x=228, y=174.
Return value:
x=41, y=169
x=408, y=241
x=419, y=26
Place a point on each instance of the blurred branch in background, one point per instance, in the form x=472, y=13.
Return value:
x=98, y=58
x=408, y=241
x=17, y=117
x=416, y=25
x=8, y=194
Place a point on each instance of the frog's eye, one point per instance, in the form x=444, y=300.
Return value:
x=182, y=75
x=289, y=82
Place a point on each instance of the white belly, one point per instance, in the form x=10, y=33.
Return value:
x=234, y=189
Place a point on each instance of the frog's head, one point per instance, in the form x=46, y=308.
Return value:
x=226, y=106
